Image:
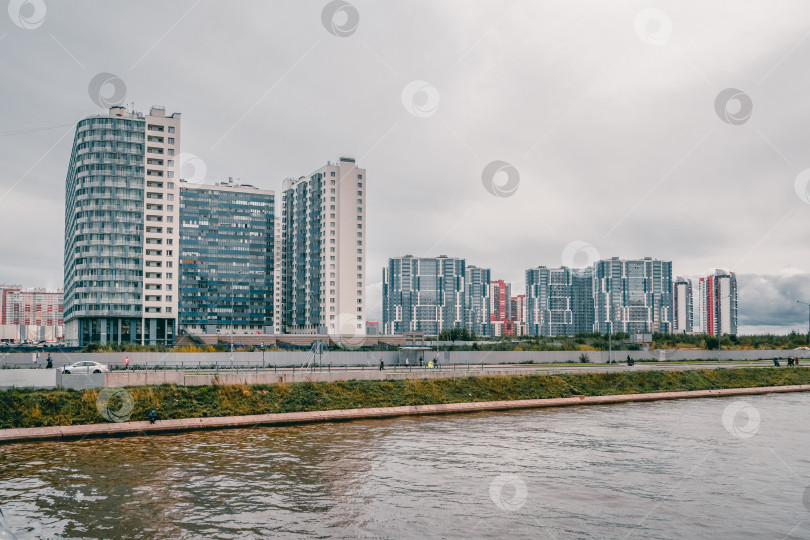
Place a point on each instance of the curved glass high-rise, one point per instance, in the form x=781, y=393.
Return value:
x=120, y=237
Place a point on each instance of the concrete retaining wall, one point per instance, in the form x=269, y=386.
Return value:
x=27, y=378
x=81, y=381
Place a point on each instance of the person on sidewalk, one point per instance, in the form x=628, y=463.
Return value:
x=50, y=362
x=152, y=416
x=126, y=362
x=407, y=365
x=382, y=365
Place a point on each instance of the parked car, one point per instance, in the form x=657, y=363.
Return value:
x=85, y=367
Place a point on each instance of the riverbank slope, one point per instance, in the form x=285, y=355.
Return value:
x=47, y=408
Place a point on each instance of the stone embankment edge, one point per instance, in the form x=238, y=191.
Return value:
x=282, y=419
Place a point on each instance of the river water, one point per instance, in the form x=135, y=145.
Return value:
x=653, y=470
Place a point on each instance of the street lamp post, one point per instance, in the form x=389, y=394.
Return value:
x=808, y=319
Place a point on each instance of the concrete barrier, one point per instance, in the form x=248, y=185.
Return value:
x=81, y=381
x=372, y=358
x=283, y=419
x=27, y=378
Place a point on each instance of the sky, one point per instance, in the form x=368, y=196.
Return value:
x=512, y=134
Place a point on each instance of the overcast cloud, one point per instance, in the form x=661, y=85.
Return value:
x=606, y=111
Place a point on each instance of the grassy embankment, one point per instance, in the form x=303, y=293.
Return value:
x=34, y=408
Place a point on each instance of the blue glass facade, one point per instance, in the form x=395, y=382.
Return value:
x=303, y=228
x=226, y=258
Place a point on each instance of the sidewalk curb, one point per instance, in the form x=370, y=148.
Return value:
x=283, y=419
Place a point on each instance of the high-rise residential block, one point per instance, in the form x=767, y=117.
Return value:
x=323, y=254
x=227, y=252
x=423, y=294
x=682, y=304
x=121, y=228
x=477, y=300
x=559, y=301
x=582, y=304
x=717, y=296
x=518, y=314
x=633, y=296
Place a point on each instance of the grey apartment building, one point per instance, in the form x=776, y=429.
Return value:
x=423, y=294
x=121, y=228
x=227, y=245
x=633, y=296
x=477, y=300
x=559, y=301
x=323, y=269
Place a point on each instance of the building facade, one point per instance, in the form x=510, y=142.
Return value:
x=682, y=322
x=423, y=294
x=633, y=296
x=30, y=314
x=717, y=298
x=477, y=300
x=227, y=252
x=121, y=234
x=582, y=304
x=323, y=253
x=518, y=314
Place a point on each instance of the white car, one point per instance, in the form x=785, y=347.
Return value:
x=85, y=367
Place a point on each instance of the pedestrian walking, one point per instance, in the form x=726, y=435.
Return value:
x=382, y=365
x=126, y=362
x=50, y=362
x=407, y=365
